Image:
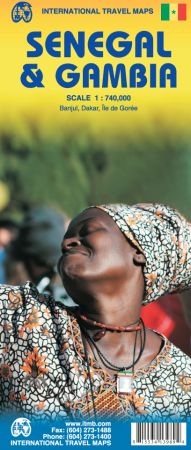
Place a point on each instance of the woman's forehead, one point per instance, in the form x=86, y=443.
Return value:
x=92, y=214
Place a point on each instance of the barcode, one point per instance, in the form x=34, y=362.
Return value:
x=158, y=433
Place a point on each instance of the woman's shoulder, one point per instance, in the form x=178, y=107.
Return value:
x=174, y=360
x=13, y=297
x=180, y=356
x=25, y=297
x=168, y=348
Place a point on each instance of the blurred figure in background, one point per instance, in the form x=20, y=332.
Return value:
x=8, y=232
x=33, y=255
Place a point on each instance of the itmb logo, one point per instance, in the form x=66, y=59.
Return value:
x=22, y=11
x=21, y=426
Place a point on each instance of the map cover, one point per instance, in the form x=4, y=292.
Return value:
x=95, y=109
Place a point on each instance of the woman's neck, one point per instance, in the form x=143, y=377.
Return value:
x=113, y=303
x=118, y=311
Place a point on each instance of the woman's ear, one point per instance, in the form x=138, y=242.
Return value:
x=139, y=258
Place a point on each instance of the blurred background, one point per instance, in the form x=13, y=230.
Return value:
x=71, y=170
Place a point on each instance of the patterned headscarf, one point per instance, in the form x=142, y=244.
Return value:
x=164, y=237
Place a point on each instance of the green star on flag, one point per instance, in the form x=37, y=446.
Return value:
x=173, y=11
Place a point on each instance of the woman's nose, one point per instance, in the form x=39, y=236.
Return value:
x=70, y=243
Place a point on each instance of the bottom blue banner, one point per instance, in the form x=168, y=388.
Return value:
x=23, y=432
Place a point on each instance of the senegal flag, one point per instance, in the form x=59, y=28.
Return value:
x=173, y=11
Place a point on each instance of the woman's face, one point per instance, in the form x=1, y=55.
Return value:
x=95, y=254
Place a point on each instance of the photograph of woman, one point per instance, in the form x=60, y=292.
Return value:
x=97, y=358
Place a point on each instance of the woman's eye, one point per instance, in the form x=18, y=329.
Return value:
x=90, y=229
x=86, y=230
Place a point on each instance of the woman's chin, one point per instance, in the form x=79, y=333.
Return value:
x=72, y=272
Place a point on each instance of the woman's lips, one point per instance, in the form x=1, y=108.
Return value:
x=75, y=252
